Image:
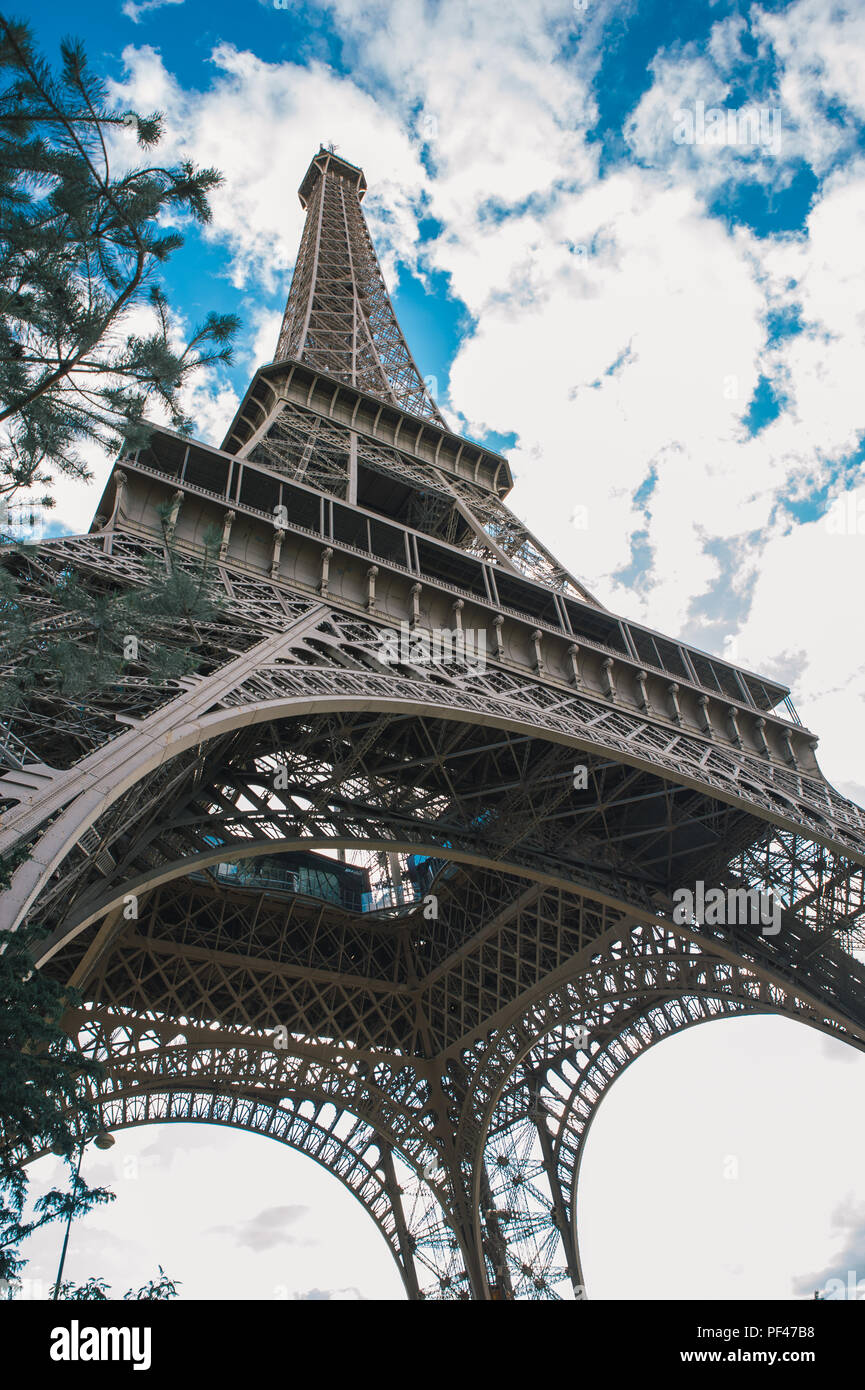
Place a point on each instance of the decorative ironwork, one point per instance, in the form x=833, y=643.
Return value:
x=408, y=914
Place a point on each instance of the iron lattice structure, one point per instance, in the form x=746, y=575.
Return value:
x=361, y=902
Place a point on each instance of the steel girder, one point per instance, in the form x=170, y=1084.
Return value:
x=520, y=1101
x=422, y=1035
x=430, y=1037
x=403, y=1208
x=297, y=444
x=444, y=1064
x=324, y=660
x=339, y=317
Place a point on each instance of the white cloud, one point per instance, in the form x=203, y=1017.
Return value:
x=174, y=1182
x=272, y=1227
x=619, y=330
x=639, y=354
x=610, y=364
x=820, y=50
x=502, y=113
x=206, y=398
x=260, y=123
x=263, y=327
x=134, y=11
x=805, y=586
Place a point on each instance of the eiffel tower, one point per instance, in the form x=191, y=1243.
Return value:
x=395, y=877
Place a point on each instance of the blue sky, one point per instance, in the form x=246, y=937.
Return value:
x=666, y=335
x=616, y=44
x=199, y=276
x=622, y=70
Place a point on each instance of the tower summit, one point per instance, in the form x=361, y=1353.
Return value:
x=339, y=318
x=407, y=913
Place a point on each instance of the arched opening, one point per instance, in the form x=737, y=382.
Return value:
x=227, y=1212
x=726, y=1163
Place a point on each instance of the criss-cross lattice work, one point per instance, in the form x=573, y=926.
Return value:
x=339, y=317
x=407, y=913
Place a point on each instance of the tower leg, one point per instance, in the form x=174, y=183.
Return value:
x=406, y=1243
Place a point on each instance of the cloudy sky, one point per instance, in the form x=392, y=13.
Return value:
x=658, y=313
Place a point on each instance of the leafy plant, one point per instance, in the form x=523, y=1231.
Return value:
x=43, y=1096
x=86, y=650
x=81, y=246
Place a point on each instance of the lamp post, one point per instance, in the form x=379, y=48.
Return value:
x=103, y=1140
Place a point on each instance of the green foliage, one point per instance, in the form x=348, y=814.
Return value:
x=98, y=1289
x=80, y=246
x=91, y=1290
x=87, y=650
x=42, y=1079
x=9, y=863
x=161, y=1288
x=44, y=1104
x=83, y=238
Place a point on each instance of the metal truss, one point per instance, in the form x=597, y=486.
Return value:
x=542, y=881
x=404, y=1210
x=325, y=660
x=307, y=449
x=511, y=541
x=300, y=445
x=339, y=317
x=440, y=1038
x=529, y=1091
